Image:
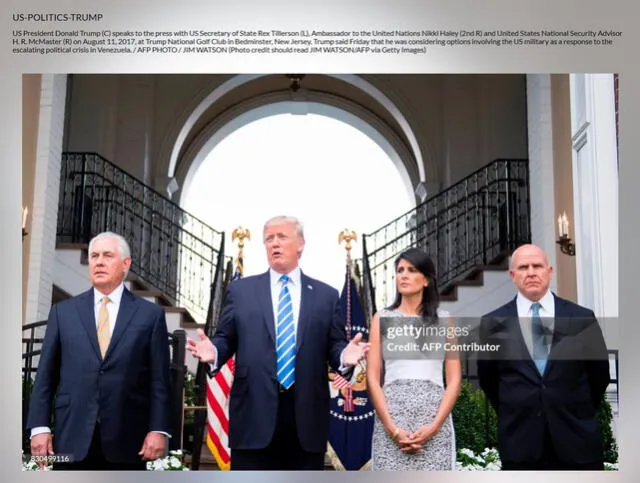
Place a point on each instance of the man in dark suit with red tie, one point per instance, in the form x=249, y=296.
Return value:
x=103, y=372
x=283, y=327
x=549, y=375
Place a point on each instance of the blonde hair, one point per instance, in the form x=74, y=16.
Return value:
x=291, y=220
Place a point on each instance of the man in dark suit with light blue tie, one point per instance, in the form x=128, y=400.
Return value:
x=103, y=372
x=549, y=375
x=283, y=327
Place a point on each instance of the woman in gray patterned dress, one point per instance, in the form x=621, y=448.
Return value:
x=413, y=429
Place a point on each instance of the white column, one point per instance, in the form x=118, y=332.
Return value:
x=541, y=180
x=595, y=176
x=45, y=197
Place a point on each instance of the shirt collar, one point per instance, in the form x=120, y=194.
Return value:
x=524, y=304
x=114, y=296
x=294, y=276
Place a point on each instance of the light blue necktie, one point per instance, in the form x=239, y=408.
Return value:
x=539, y=340
x=285, y=338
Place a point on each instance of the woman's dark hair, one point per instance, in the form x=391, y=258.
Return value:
x=430, y=294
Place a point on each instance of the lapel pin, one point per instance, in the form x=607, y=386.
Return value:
x=309, y=287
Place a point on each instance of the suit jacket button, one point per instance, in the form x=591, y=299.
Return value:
x=101, y=372
x=544, y=387
x=539, y=413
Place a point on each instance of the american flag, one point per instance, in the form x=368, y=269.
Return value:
x=218, y=389
x=340, y=382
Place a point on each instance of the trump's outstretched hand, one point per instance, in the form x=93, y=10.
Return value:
x=355, y=351
x=202, y=349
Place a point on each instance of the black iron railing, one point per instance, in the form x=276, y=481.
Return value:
x=467, y=225
x=32, y=338
x=172, y=250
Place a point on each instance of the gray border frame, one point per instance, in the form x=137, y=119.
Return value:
x=338, y=14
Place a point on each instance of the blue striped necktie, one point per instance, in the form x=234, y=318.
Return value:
x=285, y=338
x=539, y=343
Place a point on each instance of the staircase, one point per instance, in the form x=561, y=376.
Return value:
x=480, y=291
x=468, y=229
x=175, y=256
x=171, y=250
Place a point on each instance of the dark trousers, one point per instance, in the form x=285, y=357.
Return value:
x=95, y=460
x=551, y=461
x=284, y=451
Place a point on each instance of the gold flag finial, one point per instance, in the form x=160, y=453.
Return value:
x=241, y=233
x=347, y=236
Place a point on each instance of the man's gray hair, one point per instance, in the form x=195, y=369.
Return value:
x=291, y=220
x=123, y=246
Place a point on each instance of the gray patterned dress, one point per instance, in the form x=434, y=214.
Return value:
x=413, y=390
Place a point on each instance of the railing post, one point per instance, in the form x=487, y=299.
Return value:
x=26, y=377
x=178, y=369
x=510, y=211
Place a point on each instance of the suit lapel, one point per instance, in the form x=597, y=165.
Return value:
x=307, y=299
x=128, y=307
x=86, y=312
x=266, y=302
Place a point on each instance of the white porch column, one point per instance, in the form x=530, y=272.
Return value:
x=45, y=196
x=541, y=180
x=595, y=176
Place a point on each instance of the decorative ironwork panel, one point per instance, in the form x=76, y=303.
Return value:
x=468, y=225
x=171, y=250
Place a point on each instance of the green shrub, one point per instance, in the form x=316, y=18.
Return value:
x=604, y=417
x=475, y=429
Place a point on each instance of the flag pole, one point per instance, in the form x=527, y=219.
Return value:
x=240, y=233
x=347, y=236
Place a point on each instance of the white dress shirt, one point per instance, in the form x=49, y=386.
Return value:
x=294, y=290
x=525, y=314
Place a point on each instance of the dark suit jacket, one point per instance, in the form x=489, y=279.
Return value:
x=247, y=329
x=563, y=401
x=128, y=390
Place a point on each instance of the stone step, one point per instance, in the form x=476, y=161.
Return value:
x=154, y=296
x=208, y=462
